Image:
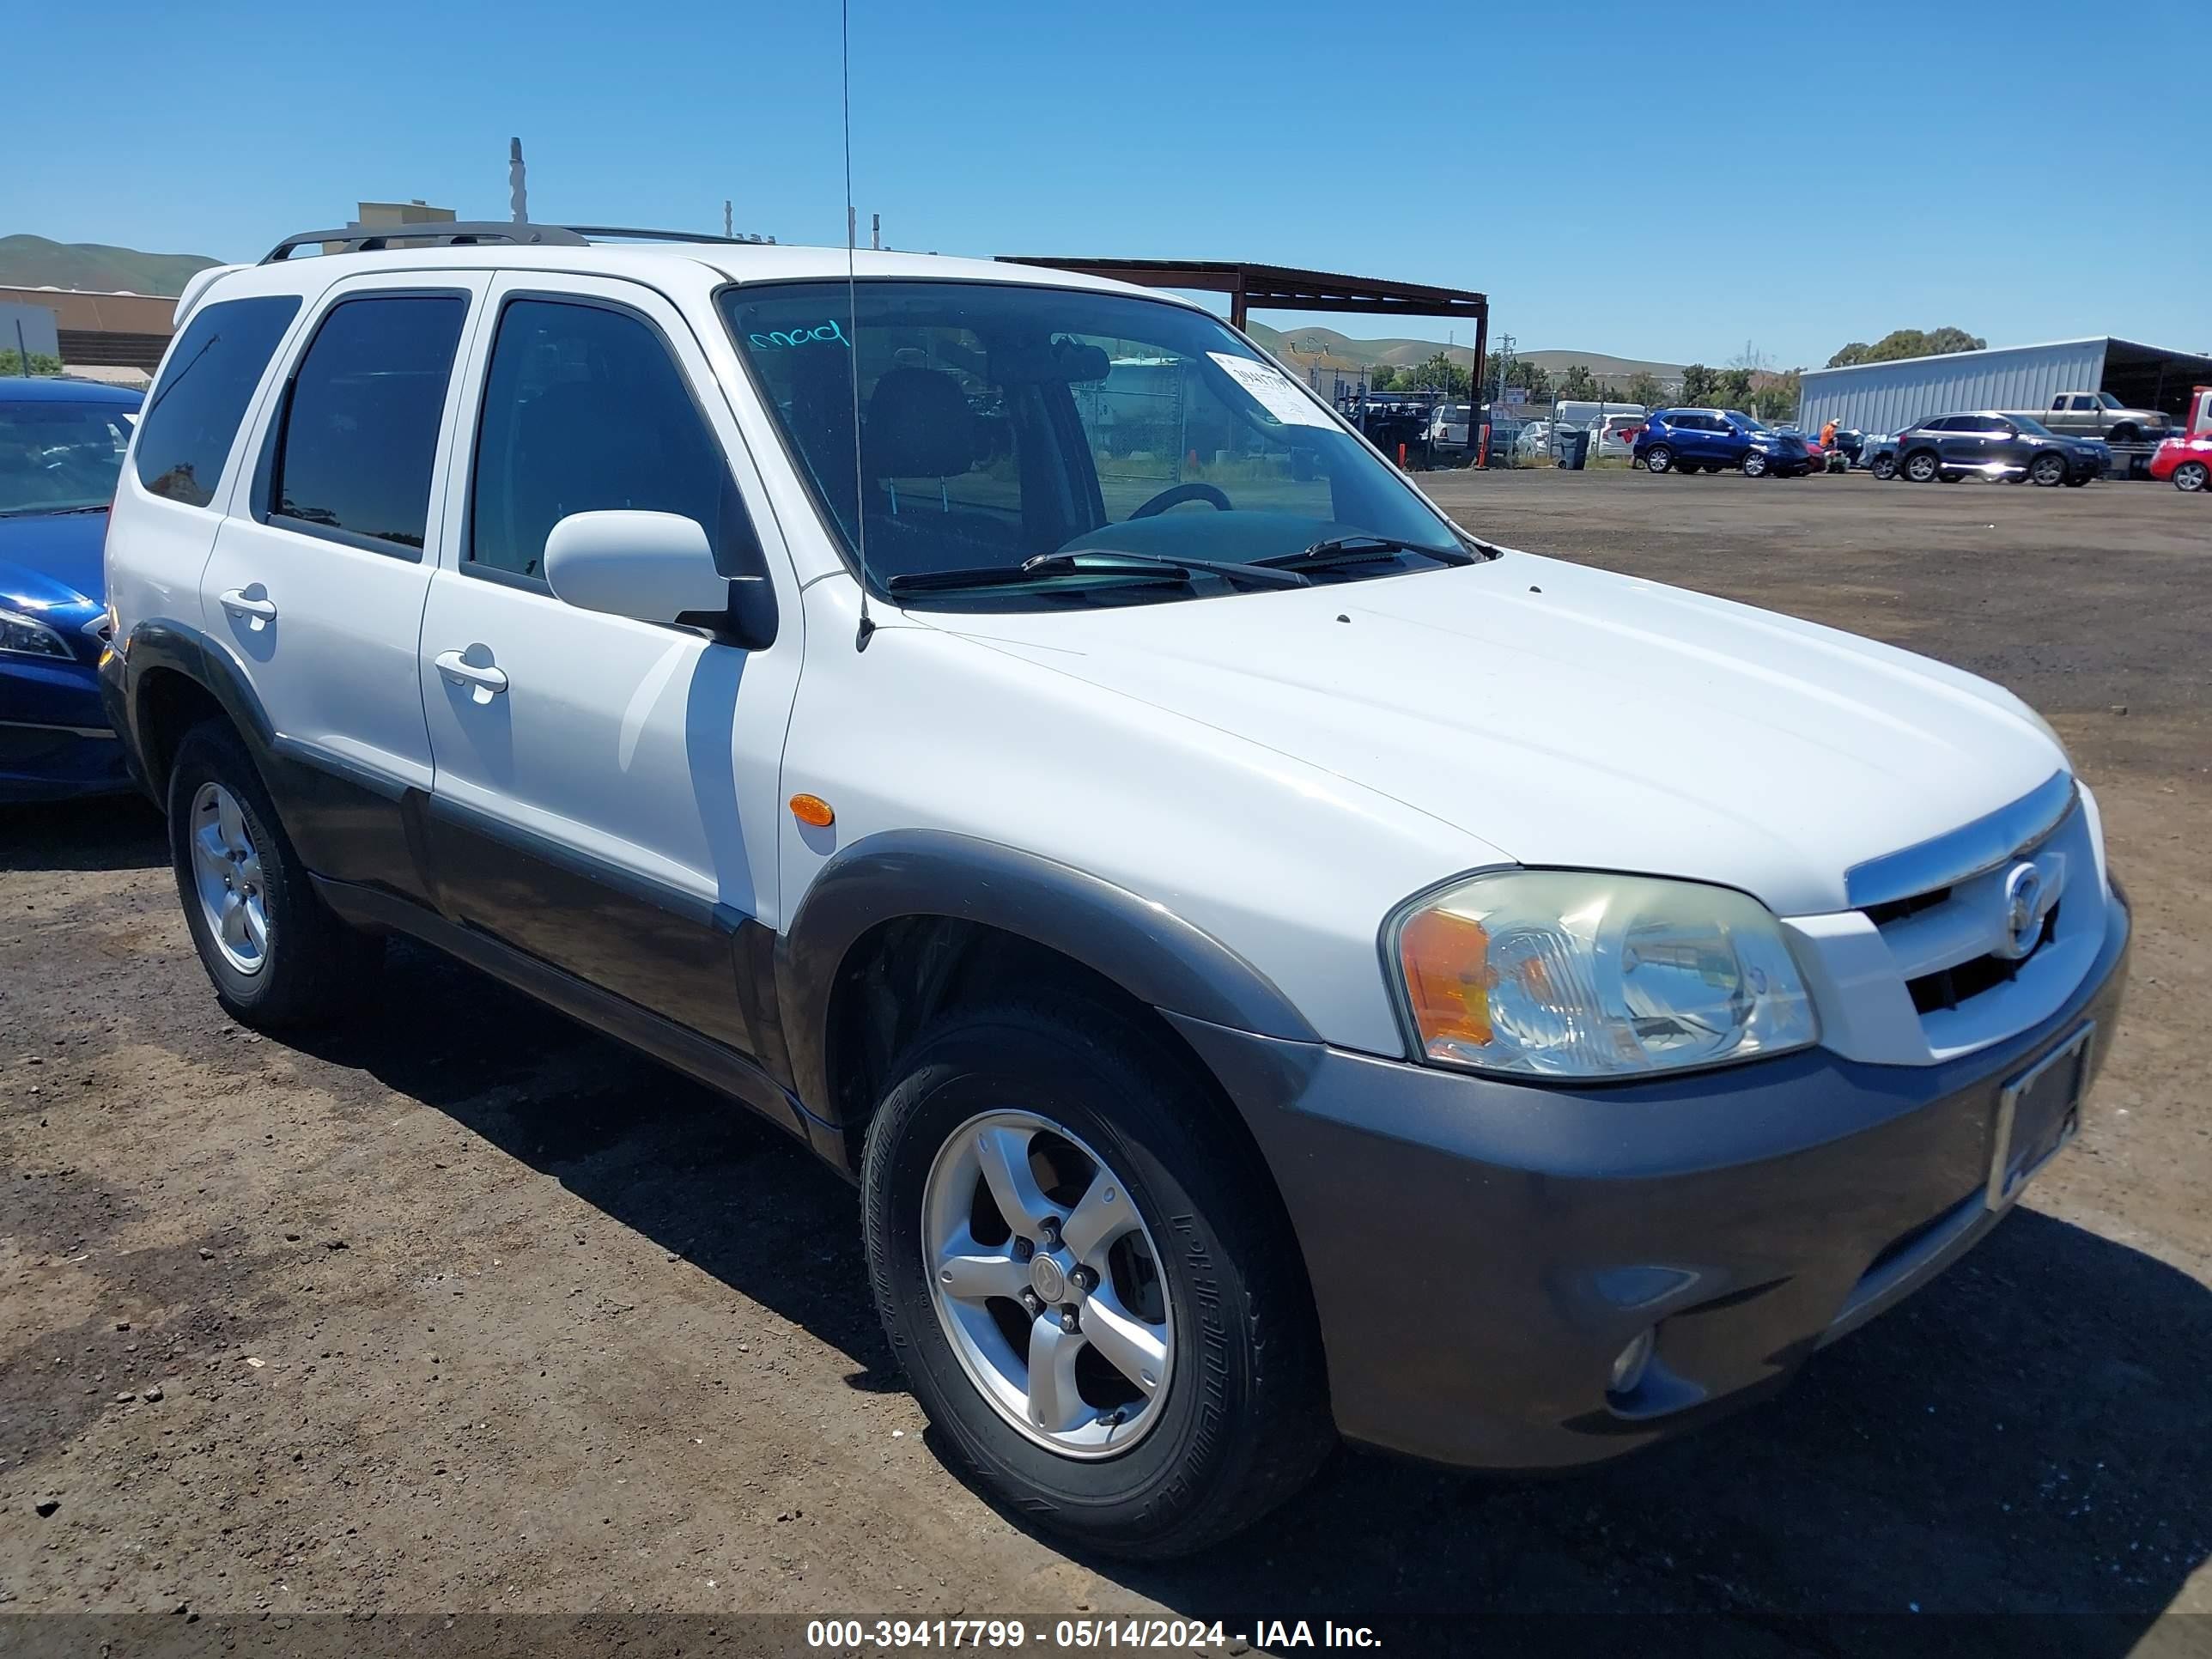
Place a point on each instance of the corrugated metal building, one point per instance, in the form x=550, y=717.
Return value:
x=1888, y=397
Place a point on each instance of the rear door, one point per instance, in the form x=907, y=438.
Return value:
x=316, y=583
x=606, y=788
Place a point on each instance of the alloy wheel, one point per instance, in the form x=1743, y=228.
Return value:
x=1047, y=1283
x=226, y=876
x=2189, y=476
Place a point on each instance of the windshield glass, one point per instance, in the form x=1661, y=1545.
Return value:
x=2108, y=401
x=57, y=456
x=1001, y=423
x=2033, y=426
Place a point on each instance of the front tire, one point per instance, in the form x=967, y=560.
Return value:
x=1754, y=465
x=2191, y=478
x=277, y=957
x=1177, y=1396
x=2048, y=472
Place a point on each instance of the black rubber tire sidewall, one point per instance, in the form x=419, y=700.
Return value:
x=2042, y=472
x=313, y=959
x=1166, y=1495
x=1659, y=459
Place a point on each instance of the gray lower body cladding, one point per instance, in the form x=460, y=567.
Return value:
x=1481, y=1252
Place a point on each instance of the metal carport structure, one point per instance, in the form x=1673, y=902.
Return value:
x=1285, y=287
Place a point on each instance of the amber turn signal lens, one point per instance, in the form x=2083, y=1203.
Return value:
x=812, y=809
x=1447, y=962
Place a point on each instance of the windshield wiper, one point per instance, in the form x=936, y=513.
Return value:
x=1366, y=549
x=1099, y=562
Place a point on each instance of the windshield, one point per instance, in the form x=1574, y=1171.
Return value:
x=58, y=456
x=2106, y=400
x=1001, y=424
x=2033, y=426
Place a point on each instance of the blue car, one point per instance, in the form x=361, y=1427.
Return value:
x=61, y=446
x=1710, y=440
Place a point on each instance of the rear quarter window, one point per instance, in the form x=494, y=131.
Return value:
x=192, y=415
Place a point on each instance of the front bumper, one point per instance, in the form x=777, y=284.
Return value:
x=56, y=743
x=1480, y=1251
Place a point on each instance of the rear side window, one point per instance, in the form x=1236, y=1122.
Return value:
x=193, y=417
x=360, y=431
x=585, y=410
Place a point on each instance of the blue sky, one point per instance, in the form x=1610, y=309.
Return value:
x=1664, y=180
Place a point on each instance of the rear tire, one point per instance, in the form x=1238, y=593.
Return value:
x=2191, y=478
x=1883, y=467
x=1091, y=1101
x=1921, y=467
x=277, y=955
x=1659, y=458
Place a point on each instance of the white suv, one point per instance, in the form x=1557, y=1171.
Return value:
x=1275, y=964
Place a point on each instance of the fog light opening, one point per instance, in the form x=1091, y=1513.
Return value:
x=1629, y=1365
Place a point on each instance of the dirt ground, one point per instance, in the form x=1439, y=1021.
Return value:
x=460, y=1307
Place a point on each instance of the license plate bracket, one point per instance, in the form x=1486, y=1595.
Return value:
x=2038, y=1113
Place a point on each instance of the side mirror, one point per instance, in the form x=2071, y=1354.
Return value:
x=655, y=568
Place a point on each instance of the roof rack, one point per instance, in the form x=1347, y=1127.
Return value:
x=360, y=238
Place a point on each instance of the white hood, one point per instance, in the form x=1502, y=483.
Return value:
x=1569, y=716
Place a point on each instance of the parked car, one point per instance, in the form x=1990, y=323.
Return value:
x=2098, y=414
x=61, y=443
x=1534, y=440
x=1613, y=439
x=1992, y=445
x=1066, y=858
x=1711, y=440
x=1449, y=426
x=2185, y=461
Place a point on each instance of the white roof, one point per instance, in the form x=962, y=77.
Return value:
x=666, y=265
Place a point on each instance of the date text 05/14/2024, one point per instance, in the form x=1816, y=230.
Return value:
x=1164, y=1635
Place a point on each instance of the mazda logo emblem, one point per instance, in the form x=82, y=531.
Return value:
x=2027, y=901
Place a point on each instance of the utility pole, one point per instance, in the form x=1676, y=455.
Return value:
x=725, y=216
x=876, y=231
x=517, y=196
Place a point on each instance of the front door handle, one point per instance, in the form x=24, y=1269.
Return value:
x=483, y=676
x=253, y=603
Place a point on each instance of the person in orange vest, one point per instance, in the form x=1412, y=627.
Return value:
x=1828, y=435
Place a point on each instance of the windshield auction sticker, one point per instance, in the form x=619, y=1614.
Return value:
x=1272, y=390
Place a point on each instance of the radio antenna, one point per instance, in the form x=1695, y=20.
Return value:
x=852, y=323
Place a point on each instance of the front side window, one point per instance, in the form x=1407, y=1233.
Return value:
x=999, y=424
x=360, y=421
x=191, y=418
x=585, y=410
x=60, y=457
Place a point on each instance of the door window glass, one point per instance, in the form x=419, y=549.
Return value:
x=585, y=410
x=193, y=417
x=362, y=418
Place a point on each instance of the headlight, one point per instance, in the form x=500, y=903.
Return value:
x=1548, y=973
x=27, y=636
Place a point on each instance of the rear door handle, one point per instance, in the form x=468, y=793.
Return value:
x=460, y=669
x=239, y=603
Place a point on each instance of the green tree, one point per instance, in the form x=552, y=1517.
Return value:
x=1644, y=388
x=1732, y=388
x=42, y=363
x=1901, y=343
x=1440, y=374
x=1579, y=383
x=1700, y=389
x=1382, y=377
x=1776, y=400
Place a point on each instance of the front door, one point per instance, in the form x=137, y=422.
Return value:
x=605, y=794
x=316, y=583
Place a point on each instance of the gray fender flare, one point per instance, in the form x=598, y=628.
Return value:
x=1139, y=944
